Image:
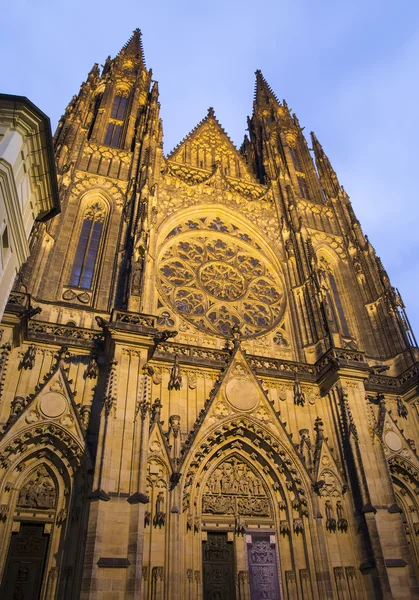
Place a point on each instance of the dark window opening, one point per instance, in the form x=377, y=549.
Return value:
x=339, y=307
x=86, y=254
x=113, y=135
x=296, y=159
x=119, y=107
x=95, y=113
x=302, y=184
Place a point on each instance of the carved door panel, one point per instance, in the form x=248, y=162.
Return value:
x=263, y=569
x=25, y=564
x=218, y=568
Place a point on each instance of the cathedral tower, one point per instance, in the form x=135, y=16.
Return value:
x=208, y=384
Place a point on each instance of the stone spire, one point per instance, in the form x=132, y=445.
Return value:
x=327, y=175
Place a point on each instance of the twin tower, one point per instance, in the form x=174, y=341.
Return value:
x=208, y=385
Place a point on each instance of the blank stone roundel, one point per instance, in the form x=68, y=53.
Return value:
x=53, y=404
x=393, y=441
x=242, y=393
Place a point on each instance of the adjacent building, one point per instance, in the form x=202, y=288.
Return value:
x=28, y=183
x=208, y=384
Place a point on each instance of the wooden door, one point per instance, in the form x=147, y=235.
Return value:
x=25, y=564
x=218, y=568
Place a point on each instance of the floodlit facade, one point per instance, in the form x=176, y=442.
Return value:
x=218, y=399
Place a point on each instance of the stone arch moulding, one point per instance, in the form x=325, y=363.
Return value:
x=278, y=465
x=274, y=254
x=283, y=484
x=408, y=505
x=38, y=457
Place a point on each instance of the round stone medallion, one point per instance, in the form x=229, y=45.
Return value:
x=53, y=405
x=242, y=393
x=393, y=441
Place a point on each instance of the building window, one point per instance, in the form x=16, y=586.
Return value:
x=113, y=135
x=116, y=122
x=333, y=304
x=296, y=159
x=88, y=247
x=338, y=306
x=119, y=107
x=302, y=184
x=5, y=247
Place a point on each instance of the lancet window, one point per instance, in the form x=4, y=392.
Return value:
x=302, y=184
x=88, y=246
x=332, y=297
x=116, y=122
x=296, y=159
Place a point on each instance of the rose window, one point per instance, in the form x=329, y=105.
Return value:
x=217, y=283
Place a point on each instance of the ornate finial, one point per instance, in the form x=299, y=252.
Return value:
x=211, y=113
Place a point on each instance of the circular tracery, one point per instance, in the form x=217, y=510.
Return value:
x=218, y=282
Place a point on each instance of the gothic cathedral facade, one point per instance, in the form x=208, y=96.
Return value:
x=208, y=385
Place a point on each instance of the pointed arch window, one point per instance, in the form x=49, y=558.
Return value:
x=296, y=158
x=302, y=184
x=338, y=305
x=119, y=107
x=333, y=297
x=88, y=247
x=116, y=122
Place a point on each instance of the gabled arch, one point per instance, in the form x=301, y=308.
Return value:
x=280, y=465
x=31, y=458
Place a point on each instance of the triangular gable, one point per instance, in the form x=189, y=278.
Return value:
x=394, y=440
x=208, y=145
x=328, y=478
x=52, y=404
x=158, y=445
x=237, y=393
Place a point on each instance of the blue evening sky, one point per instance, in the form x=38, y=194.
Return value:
x=348, y=68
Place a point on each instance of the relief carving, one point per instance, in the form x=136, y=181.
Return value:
x=39, y=491
x=233, y=488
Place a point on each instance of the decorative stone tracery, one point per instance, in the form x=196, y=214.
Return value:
x=218, y=284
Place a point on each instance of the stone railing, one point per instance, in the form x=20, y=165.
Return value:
x=64, y=334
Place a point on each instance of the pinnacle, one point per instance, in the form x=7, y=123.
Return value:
x=263, y=90
x=317, y=147
x=134, y=46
